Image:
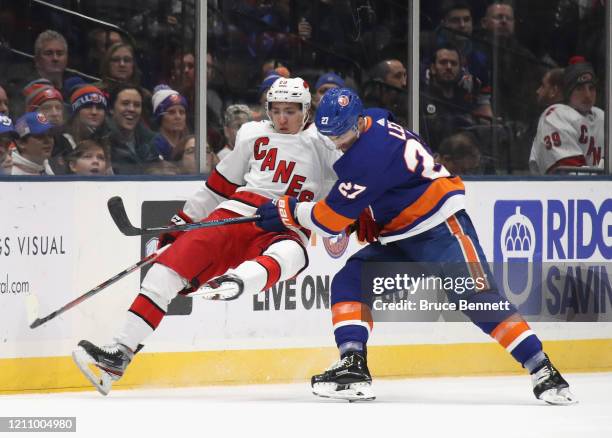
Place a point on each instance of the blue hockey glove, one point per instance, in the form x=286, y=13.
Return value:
x=278, y=215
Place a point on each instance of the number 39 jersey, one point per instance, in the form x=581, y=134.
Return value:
x=390, y=170
x=567, y=137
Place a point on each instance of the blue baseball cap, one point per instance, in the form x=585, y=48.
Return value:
x=329, y=78
x=6, y=126
x=33, y=124
x=268, y=81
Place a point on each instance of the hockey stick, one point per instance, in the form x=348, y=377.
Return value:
x=32, y=303
x=119, y=215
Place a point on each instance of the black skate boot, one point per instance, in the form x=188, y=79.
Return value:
x=225, y=287
x=102, y=365
x=550, y=386
x=347, y=379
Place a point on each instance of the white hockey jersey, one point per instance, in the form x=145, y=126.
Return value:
x=265, y=165
x=565, y=133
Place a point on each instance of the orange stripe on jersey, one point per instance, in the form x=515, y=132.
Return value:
x=454, y=225
x=469, y=251
x=328, y=218
x=221, y=185
x=427, y=201
x=351, y=311
x=509, y=329
x=368, y=123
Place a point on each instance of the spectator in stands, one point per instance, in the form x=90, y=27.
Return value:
x=387, y=88
x=130, y=139
x=182, y=76
x=450, y=99
x=187, y=156
x=44, y=98
x=391, y=72
x=34, y=145
x=169, y=112
x=51, y=57
x=548, y=93
x=235, y=117
x=571, y=133
x=550, y=90
x=119, y=67
x=90, y=158
x=87, y=122
x=4, y=102
x=456, y=27
x=99, y=41
x=517, y=69
x=182, y=79
x=325, y=82
x=7, y=143
x=460, y=154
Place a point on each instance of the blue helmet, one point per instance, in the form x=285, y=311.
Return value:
x=338, y=111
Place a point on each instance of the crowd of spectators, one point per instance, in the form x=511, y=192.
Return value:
x=122, y=101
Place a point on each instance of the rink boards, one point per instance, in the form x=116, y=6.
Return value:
x=57, y=241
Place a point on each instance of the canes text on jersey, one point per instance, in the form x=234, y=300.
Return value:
x=283, y=170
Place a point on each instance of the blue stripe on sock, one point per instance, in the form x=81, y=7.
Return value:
x=351, y=333
x=528, y=347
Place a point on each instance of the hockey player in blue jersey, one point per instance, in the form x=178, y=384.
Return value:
x=419, y=209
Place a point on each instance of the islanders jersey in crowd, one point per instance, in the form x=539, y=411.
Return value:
x=391, y=171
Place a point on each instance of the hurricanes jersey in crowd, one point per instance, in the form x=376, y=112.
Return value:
x=391, y=171
x=567, y=137
x=265, y=165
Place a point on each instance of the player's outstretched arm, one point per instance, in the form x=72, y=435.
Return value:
x=286, y=213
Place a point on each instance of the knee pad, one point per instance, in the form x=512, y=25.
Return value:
x=290, y=256
x=280, y=261
x=161, y=284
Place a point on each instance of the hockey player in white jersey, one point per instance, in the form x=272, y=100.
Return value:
x=570, y=133
x=270, y=159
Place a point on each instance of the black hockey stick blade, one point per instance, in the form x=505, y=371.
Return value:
x=119, y=215
x=145, y=261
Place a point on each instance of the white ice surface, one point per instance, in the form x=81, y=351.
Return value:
x=489, y=407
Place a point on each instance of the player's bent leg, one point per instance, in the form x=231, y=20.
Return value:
x=282, y=260
x=105, y=364
x=506, y=325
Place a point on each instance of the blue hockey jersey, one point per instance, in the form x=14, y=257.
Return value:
x=391, y=171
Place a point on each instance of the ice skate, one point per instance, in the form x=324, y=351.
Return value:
x=550, y=386
x=102, y=365
x=225, y=287
x=347, y=379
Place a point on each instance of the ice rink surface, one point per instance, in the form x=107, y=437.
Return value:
x=434, y=407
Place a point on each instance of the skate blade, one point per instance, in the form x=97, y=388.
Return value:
x=559, y=397
x=101, y=380
x=355, y=391
x=225, y=292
